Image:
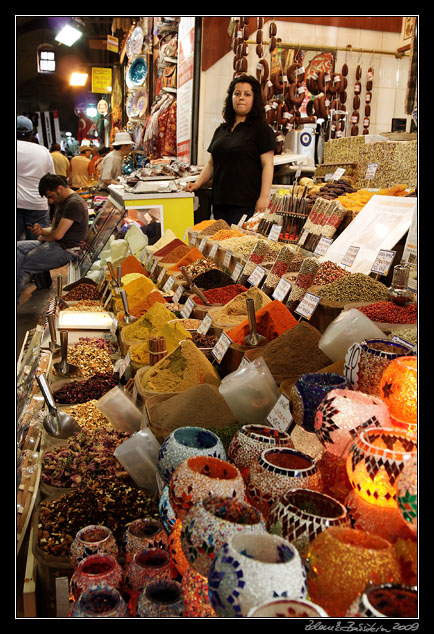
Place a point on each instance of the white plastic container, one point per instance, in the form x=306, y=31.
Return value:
x=350, y=326
x=118, y=407
x=138, y=455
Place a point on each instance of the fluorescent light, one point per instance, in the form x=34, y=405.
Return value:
x=68, y=35
x=78, y=79
x=91, y=111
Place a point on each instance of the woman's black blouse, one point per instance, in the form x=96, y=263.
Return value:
x=237, y=165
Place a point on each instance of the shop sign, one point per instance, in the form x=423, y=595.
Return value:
x=101, y=80
x=112, y=43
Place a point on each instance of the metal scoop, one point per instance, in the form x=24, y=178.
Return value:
x=193, y=286
x=115, y=282
x=63, y=368
x=61, y=304
x=253, y=339
x=127, y=318
x=57, y=424
x=53, y=345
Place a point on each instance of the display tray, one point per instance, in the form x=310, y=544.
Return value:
x=78, y=320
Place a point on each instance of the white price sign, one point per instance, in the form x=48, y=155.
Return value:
x=227, y=259
x=142, y=255
x=307, y=306
x=193, y=238
x=202, y=245
x=154, y=266
x=187, y=308
x=282, y=289
x=213, y=250
x=221, y=347
x=204, y=325
x=280, y=416
x=350, y=256
x=257, y=276
x=323, y=245
x=338, y=173
x=237, y=271
x=148, y=262
x=303, y=237
x=383, y=262
x=371, y=170
x=242, y=220
x=161, y=276
x=169, y=284
x=274, y=233
x=177, y=294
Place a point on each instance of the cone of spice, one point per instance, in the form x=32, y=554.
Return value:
x=174, y=255
x=141, y=307
x=192, y=255
x=169, y=247
x=132, y=265
x=204, y=224
x=235, y=311
x=221, y=295
x=272, y=321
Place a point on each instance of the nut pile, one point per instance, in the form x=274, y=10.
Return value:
x=86, y=306
x=82, y=391
x=90, y=359
x=112, y=503
x=356, y=287
x=88, y=416
x=82, y=291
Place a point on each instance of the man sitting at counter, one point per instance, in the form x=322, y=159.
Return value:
x=54, y=245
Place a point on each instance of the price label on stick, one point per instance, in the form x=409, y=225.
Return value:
x=280, y=416
x=237, y=271
x=307, y=306
x=282, y=289
x=227, y=259
x=257, y=276
x=323, y=245
x=202, y=245
x=169, y=283
x=221, y=347
x=177, y=294
x=187, y=308
x=148, y=262
x=383, y=262
x=193, y=238
x=204, y=325
x=161, y=276
x=213, y=250
x=154, y=266
x=338, y=173
x=371, y=170
x=350, y=256
x=274, y=233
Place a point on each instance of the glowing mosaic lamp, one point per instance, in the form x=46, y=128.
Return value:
x=398, y=389
x=195, y=594
x=406, y=487
x=375, y=461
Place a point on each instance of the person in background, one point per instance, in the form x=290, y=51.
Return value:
x=111, y=166
x=61, y=162
x=78, y=174
x=33, y=161
x=94, y=168
x=54, y=246
x=242, y=150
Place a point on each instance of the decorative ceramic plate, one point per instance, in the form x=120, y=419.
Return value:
x=137, y=72
x=129, y=105
x=139, y=103
x=135, y=42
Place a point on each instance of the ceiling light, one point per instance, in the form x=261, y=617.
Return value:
x=78, y=79
x=68, y=35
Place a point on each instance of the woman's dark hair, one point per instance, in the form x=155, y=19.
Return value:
x=50, y=182
x=257, y=111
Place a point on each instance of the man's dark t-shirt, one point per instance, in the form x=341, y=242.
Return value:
x=73, y=208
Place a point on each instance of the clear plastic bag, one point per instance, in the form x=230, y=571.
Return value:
x=139, y=455
x=350, y=326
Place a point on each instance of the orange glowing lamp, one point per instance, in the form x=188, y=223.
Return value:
x=398, y=389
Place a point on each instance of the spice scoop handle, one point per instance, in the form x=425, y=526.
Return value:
x=186, y=276
x=200, y=294
x=112, y=271
x=46, y=393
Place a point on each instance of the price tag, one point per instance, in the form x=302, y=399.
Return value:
x=323, y=245
x=213, y=250
x=383, y=262
x=257, y=276
x=237, y=271
x=244, y=361
x=177, y=294
x=161, y=276
x=350, y=256
x=307, y=306
x=202, y=244
x=242, y=220
x=274, y=233
x=154, y=266
x=142, y=255
x=280, y=416
x=303, y=237
x=221, y=347
x=204, y=325
x=339, y=171
x=371, y=170
x=282, y=289
x=148, y=262
x=187, y=308
x=227, y=259
x=107, y=301
x=169, y=283
x=193, y=238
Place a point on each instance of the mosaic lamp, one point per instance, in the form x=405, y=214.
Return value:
x=398, y=389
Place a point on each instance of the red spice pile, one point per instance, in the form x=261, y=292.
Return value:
x=176, y=242
x=132, y=265
x=390, y=313
x=272, y=321
x=221, y=295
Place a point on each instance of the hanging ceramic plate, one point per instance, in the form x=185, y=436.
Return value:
x=135, y=42
x=137, y=72
x=139, y=103
x=129, y=105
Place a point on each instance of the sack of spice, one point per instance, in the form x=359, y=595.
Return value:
x=272, y=321
x=173, y=332
x=193, y=255
x=182, y=369
x=147, y=325
x=235, y=311
x=294, y=353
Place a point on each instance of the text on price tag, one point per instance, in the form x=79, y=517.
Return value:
x=221, y=347
x=237, y=271
x=383, y=262
x=307, y=306
x=169, y=283
x=282, y=289
x=350, y=256
x=280, y=416
x=257, y=276
x=187, y=308
x=204, y=325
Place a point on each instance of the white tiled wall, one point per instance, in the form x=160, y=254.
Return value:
x=389, y=83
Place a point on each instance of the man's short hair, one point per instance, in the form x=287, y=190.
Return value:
x=50, y=182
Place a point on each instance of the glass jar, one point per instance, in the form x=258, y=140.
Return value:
x=143, y=533
x=250, y=441
x=96, y=570
x=388, y=600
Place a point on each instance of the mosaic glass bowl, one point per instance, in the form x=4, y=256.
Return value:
x=161, y=600
x=90, y=540
x=252, y=568
x=209, y=524
x=165, y=510
x=388, y=600
x=250, y=441
x=143, y=533
x=342, y=562
x=96, y=570
x=199, y=476
x=398, y=389
x=99, y=602
x=183, y=443
x=195, y=593
x=299, y=515
x=406, y=489
x=275, y=472
x=287, y=608
x=179, y=562
x=375, y=461
x=150, y=564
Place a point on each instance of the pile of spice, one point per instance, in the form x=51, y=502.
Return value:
x=192, y=255
x=83, y=290
x=89, y=359
x=408, y=334
x=182, y=369
x=200, y=266
x=132, y=265
x=174, y=255
x=225, y=234
x=279, y=267
x=217, y=225
x=137, y=287
x=112, y=503
x=235, y=311
x=86, y=456
x=213, y=278
x=173, y=333
x=304, y=280
x=86, y=306
x=203, y=341
x=391, y=313
x=272, y=321
x=148, y=324
x=82, y=391
x=221, y=295
x=293, y=353
x=356, y=287
x=242, y=246
x=88, y=416
x=99, y=342
x=329, y=272
x=201, y=405
x=200, y=226
x=173, y=244
x=140, y=308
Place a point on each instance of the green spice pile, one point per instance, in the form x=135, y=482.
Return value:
x=356, y=287
x=113, y=504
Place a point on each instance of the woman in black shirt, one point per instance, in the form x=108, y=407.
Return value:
x=242, y=150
